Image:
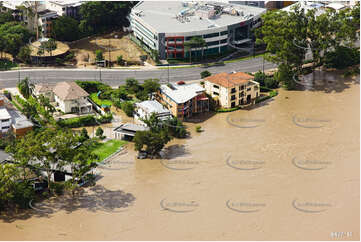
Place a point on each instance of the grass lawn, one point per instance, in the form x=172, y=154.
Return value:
x=103, y=150
x=98, y=101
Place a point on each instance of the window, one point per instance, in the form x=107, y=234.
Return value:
x=248, y=89
x=216, y=93
x=206, y=36
x=5, y=120
x=233, y=90
x=213, y=43
x=215, y=86
x=256, y=94
x=223, y=41
x=224, y=32
x=241, y=94
x=233, y=97
x=6, y=127
x=242, y=87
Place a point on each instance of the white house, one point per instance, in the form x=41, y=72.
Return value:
x=68, y=96
x=5, y=120
x=147, y=108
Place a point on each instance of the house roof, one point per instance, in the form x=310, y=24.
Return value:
x=151, y=106
x=182, y=93
x=4, y=114
x=44, y=87
x=229, y=80
x=69, y=91
x=131, y=127
x=19, y=121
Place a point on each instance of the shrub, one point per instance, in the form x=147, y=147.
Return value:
x=23, y=193
x=342, y=57
x=260, y=77
x=93, y=86
x=99, y=55
x=57, y=187
x=285, y=75
x=198, y=129
x=120, y=60
x=99, y=132
x=128, y=108
x=270, y=82
x=59, y=61
x=205, y=74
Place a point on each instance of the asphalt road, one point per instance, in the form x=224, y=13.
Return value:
x=116, y=77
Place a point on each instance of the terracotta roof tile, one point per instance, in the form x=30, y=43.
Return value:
x=229, y=80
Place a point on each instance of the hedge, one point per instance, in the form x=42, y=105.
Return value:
x=224, y=110
x=88, y=120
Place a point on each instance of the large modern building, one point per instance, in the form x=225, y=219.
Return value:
x=165, y=26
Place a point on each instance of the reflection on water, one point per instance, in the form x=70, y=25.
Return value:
x=292, y=182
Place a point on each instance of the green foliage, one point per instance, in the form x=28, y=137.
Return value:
x=285, y=75
x=84, y=135
x=57, y=187
x=175, y=128
x=49, y=46
x=151, y=142
x=6, y=17
x=13, y=36
x=120, y=60
x=6, y=139
x=99, y=55
x=205, y=74
x=88, y=120
x=65, y=28
x=98, y=17
x=128, y=108
x=93, y=86
x=342, y=57
x=271, y=82
x=6, y=64
x=198, y=129
x=99, y=132
x=260, y=78
x=24, y=54
x=225, y=110
x=132, y=86
x=25, y=87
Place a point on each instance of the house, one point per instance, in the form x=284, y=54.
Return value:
x=147, y=108
x=127, y=131
x=12, y=119
x=45, y=21
x=65, y=7
x=183, y=100
x=68, y=96
x=233, y=89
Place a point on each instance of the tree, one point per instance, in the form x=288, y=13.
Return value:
x=128, y=108
x=49, y=46
x=99, y=132
x=101, y=16
x=6, y=17
x=99, y=55
x=84, y=135
x=65, y=28
x=120, y=60
x=151, y=85
x=205, y=74
x=24, y=54
x=150, y=142
x=195, y=43
x=132, y=85
x=25, y=87
x=260, y=77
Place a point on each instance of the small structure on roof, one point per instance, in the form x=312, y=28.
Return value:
x=127, y=131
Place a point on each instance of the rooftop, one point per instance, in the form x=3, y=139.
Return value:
x=307, y=5
x=4, y=114
x=69, y=91
x=229, y=80
x=19, y=121
x=152, y=107
x=44, y=87
x=131, y=127
x=69, y=3
x=182, y=93
x=179, y=17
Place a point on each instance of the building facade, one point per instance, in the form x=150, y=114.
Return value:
x=232, y=90
x=183, y=101
x=167, y=29
x=145, y=109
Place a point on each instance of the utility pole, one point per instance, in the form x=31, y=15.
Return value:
x=36, y=20
x=263, y=63
x=100, y=74
x=110, y=61
x=168, y=73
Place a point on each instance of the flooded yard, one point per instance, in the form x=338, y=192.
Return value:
x=287, y=169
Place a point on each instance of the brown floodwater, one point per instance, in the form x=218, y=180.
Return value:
x=287, y=169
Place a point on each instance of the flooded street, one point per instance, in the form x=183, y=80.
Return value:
x=288, y=169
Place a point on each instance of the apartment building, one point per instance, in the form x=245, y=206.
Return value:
x=183, y=100
x=231, y=90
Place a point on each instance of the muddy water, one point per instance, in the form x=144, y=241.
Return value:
x=285, y=170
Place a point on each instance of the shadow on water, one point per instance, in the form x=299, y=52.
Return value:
x=175, y=151
x=327, y=81
x=96, y=198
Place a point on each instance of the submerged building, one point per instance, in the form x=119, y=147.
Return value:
x=164, y=27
